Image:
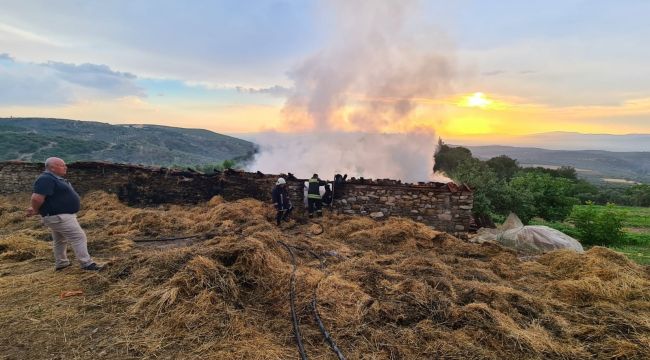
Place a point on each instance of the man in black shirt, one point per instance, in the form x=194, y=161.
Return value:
x=58, y=203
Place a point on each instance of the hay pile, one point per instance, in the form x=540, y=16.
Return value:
x=386, y=290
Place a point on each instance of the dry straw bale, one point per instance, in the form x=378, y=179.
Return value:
x=20, y=247
x=392, y=289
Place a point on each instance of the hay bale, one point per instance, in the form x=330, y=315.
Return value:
x=20, y=247
x=391, y=289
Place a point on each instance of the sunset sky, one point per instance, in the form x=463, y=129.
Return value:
x=465, y=67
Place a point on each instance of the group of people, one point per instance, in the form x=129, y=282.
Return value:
x=315, y=200
x=57, y=202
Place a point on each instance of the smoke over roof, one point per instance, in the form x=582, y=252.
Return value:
x=364, y=84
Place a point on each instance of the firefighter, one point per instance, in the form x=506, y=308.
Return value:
x=281, y=201
x=328, y=197
x=314, y=201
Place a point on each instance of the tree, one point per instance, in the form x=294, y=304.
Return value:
x=567, y=172
x=639, y=194
x=551, y=196
x=504, y=166
x=491, y=194
x=447, y=158
x=479, y=178
x=584, y=191
x=598, y=227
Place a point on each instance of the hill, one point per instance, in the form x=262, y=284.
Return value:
x=393, y=289
x=593, y=165
x=35, y=139
x=562, y=140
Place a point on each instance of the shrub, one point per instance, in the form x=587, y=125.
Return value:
x=540, y=194
x=598, y=226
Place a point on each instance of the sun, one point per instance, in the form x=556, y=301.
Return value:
x=476, y=100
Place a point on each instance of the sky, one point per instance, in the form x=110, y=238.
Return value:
x=456, y=68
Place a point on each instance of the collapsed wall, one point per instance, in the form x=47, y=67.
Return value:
x=446, y=207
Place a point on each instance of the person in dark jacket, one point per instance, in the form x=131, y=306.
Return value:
x=328, y=196
x=314, y=200
x=281, y=201
x=339, y=181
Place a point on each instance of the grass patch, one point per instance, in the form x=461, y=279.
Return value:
x=638, y=253
x=635, y=217
x=636, y=240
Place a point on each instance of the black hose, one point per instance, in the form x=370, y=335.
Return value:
x=205, y=235
x=292, y=298
x=311, y=252
x=169, y=239
x=326, y=334
x=314, y=306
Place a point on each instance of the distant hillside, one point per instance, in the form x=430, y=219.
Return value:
x=561, y=140
x=35, y=139
x=591, y=164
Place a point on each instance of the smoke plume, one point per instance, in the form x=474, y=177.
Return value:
x=381, y=60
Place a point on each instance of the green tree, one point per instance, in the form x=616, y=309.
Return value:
x=550, y=197
x=598, y=227
x=584, y=191
x=479, y=178
x=492, y=196
x=567, y=172
x=639, y=194
x=228, y=164
x=504, y=166
x=448, y=158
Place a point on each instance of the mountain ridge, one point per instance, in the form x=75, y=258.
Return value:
x=34, y=139
x=591, y=164
x=562, y=140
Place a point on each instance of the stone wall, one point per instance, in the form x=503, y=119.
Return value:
x=446, y=207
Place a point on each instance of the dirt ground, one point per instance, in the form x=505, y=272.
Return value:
x=394, y=289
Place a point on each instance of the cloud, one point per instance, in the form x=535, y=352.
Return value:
x=494, y=72
x=211, y=41
x=277, y=90
x=25, y=83
x=98, y=77
x=24, y=35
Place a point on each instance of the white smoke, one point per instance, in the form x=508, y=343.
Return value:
x=364, y=84
x=356, y=154
x=407, y=156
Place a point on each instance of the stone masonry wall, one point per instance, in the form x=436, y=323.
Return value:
x=446, y=207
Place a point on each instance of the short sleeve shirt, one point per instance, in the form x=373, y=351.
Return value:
x=60, y=196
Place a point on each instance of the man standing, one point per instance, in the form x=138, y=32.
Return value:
x=58, y=203
x=314, y=201
x=281, y=201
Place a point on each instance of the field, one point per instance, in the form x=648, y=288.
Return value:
x=636, y=226
x=392, y=289
x=637, y=234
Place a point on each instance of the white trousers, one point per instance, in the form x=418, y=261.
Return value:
x=66, y=230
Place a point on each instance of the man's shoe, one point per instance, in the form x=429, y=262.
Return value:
x=61, y=267
x=92, y=267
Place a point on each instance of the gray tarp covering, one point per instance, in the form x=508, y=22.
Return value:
x=528, y=239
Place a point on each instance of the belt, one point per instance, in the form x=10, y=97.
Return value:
x=48, y=214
